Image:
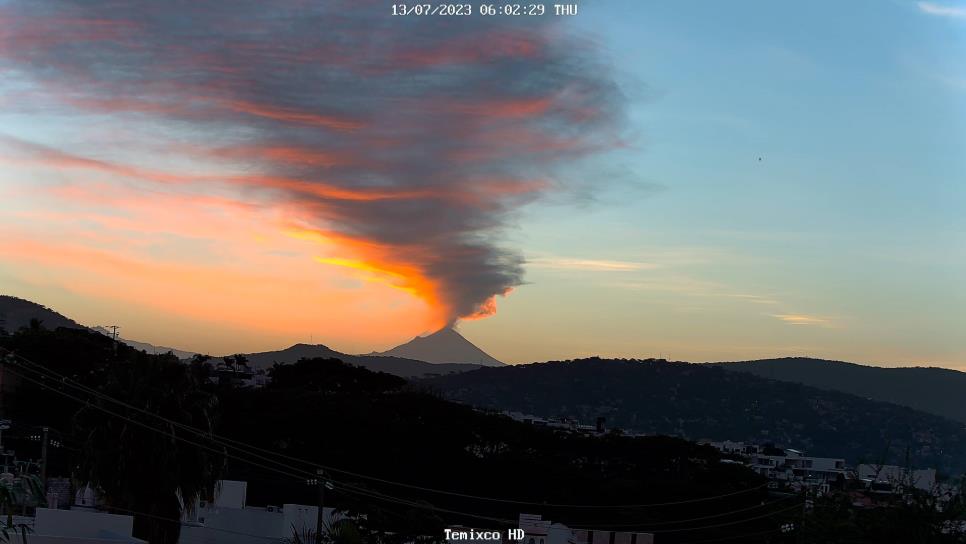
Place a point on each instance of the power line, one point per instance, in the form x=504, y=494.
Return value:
x=353, y=489
x=643, y=528
x=702, y=518
x=342, y=486
x=228, y=442
x=185, y=524
x=729, y=523
x=736, y=537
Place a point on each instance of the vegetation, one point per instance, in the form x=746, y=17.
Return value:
x=17, y=493
x=389, y=447
x=377, y=425
x=367, y=425
x=697, y=401
x=138, y=470
x=910, y=517
x=938, y=391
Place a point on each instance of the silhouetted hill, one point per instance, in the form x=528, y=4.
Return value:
x=378, y=438
x=405, y=368
x=149, y=348
x=938, y=391
x=17, y=312
x=443, y=346
x=698, y=401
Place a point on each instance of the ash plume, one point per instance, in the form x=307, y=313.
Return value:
x=410, y=141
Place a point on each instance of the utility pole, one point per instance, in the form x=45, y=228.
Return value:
x=43, y=459
x=801, y=530
x=114, y=329
x=4, y=425
x=319, y=521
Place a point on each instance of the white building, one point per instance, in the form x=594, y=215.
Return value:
x=229, y=520
x=540, y=531
x=52, y=526
x=793, y=465
x=733, y=448
x=563, y=424
x=785, y=465
x=924, y=479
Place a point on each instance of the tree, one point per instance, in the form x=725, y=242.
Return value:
x=234, y=362
x=137, y=462
x=201, y=368
x=906, y=516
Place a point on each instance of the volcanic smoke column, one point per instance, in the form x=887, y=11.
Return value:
x=407, y=142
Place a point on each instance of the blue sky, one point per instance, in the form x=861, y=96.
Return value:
x=853, y=217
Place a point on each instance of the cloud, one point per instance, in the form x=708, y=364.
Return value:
x=802, y=319
x=683, y=285
x=757, y=299
x=406, y=143
x=940, y=10
x=592, y=265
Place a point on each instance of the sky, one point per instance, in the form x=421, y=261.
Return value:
x=692, y=180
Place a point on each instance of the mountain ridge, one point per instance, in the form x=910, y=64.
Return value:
x=940, y=391
x=18, y=312
x=443, y=346
x=399, y=366
x=699, y=401
x=933, y=390
x=146, y=347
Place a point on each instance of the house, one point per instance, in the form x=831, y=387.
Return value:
x=895, y=476
x=537, y=530
x=733, y=448
x=228, y=519
x=786, y=466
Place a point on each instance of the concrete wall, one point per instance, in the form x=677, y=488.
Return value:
x=81, y=527
x=252, y=525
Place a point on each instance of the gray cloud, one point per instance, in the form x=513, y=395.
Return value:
x=416, y=135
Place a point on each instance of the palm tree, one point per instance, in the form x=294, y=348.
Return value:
x=13, y=492
x=148, y=473
x=343, y=531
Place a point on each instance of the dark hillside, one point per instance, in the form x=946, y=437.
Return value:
x=698, y=401
x=368, y=430
x=939, y=391
x=17, y=312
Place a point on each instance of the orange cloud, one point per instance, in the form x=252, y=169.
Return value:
x=802, y=319
x=381, y=264
x=507, y=108
x=292, y=115
x=406, y=147
x=487, y=308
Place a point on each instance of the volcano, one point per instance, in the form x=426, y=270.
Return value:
x=443, y=346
